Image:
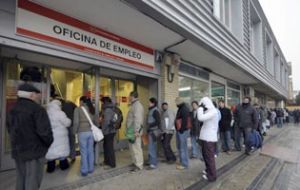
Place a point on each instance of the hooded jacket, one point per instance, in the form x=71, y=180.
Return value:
x=59, y=122
x=108, y=114
x=210, y=120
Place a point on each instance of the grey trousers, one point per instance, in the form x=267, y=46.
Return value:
x=29, y=174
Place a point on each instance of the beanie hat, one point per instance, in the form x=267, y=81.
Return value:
x=26, y=89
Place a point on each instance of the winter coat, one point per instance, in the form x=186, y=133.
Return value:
x=196, y=125
x=135, y=116
x=30, y=131
x=59, y=122
x=108, y=114
x=183, y=113
x=225, y=121
x=170, y=116
x=246, y=116
x=209, y=129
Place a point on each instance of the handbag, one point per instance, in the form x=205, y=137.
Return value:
x=97, y=133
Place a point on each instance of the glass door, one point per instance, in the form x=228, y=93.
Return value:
x=15, y=74
x=123, y=89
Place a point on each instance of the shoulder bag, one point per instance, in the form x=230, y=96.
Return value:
x=97, y=133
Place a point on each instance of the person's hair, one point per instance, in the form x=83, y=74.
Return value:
x=164, y=104
x=106, y=99
x=134, y=94
x=153, y=101
x=195, y=102
x=255, y=104
x=247, y=97
x=87, y=101
x=222, y=101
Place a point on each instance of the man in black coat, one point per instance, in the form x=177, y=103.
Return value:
x=30, y=135
x=246, y=119
x=224, y=126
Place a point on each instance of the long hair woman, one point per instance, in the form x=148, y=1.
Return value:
x=83, y=128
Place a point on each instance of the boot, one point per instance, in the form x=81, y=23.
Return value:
x=51, y=166
x=64, y=164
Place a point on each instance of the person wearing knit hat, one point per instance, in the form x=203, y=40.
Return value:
x=30, y=133
x=28, y=91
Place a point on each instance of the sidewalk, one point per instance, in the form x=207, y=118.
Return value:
x=165, y=177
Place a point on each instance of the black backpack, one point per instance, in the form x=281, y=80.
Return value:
x=117, y=118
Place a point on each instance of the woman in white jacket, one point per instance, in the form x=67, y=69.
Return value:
x=59, y=149
x=207, y=113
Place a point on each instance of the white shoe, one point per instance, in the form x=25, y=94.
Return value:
x=205, y=177
x=216, y=156
x=204, y=172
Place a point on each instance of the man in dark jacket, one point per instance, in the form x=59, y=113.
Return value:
x=224, y=126
x=246, y=120
x=109, y=132
x=182, y=133
x=31, y=136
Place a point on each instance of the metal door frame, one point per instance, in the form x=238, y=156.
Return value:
x=1, y=110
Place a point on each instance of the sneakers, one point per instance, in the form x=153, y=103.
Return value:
x=180, y=167
x=205, y=177
x=204, y=172
x=151, y=167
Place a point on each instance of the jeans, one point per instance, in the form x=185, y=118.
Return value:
x=195, y=147
x=181, y=142
x=86, y=143
x=166, y=142
x=152, y=150
x=246, y=132
x=279, y=122
x=225, y=138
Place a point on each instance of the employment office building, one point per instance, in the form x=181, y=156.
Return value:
x=219, y=48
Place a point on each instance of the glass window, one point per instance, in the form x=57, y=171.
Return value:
x=217, y=91
x=200, y=89
x=192, y=89
x=233, y=97
x=185, y=89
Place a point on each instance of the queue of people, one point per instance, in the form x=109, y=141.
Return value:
x=37, y=133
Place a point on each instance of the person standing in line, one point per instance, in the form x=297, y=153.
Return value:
x=208, y=114
x=135, y=119
x=85, y=136
x=153, y=131
x=195, y=132
x=218, y=135
x=168, y=128
x=246, y=119
x=30, y=134
x=273, y=117
x=59, y=149
x=224, y=125
x=280, y=116
x=182, y=133
x=69, y=107
x=109, y=132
